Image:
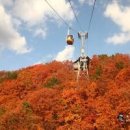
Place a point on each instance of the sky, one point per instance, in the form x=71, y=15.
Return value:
x=32, y=33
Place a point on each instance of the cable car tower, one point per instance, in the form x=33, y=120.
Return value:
x=81, y=65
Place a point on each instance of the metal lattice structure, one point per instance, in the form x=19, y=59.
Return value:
x=81, y=65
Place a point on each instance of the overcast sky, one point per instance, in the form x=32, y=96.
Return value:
x=31, y=32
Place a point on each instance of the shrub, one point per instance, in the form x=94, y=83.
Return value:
x=1, y=79
x=103, y=56
x=119, y=65
x=2, y=111
x=27, y=108
x=26, y=105
x=13, y=120
x=3, y=76
x=98, y=73
x=55, y=116
x=12, y=75
x=51, y=82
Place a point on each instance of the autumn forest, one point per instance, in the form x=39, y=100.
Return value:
x=48, y=97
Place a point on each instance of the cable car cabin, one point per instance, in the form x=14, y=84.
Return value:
x=70, y=40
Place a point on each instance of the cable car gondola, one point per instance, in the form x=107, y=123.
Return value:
x=69, y=38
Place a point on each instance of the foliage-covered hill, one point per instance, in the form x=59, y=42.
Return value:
x=47, y=97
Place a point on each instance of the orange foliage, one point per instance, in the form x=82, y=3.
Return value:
x=47, y=97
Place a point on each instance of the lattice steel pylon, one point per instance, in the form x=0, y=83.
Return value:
x=82, y=62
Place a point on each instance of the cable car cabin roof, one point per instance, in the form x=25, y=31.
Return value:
x=70, y=40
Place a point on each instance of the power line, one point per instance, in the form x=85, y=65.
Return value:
x=89, y=25
x=75, y=14
x=59, y=15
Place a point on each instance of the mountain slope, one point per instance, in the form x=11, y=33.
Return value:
x=47, y=97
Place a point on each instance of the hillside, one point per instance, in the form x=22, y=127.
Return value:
x=47, y=96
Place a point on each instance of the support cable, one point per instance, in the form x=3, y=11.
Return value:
x=75, y=15
x=59, y=16
x=89, y=25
